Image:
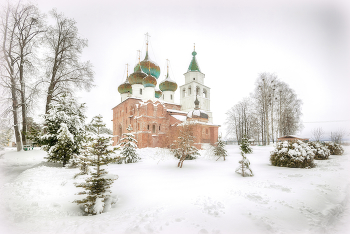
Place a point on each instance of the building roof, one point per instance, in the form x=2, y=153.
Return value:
x=194, y=65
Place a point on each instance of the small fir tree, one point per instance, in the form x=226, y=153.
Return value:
x=129, y=146
x=219, y=149
x=244, y=168
x=63, y=150
x=245, y=147
x=183, y=148
x=97, y=186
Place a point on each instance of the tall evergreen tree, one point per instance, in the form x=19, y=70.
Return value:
x=129, y=144
x=219, y=149
x=66, y=111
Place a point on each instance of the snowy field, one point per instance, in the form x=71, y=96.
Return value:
x=154, y=196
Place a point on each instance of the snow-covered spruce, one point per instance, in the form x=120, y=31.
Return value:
x=293, y=154
x=335, y=149
x=97, y=186
x=219, y=149
x=244, y=166
x=245, y=147
x=183, y=148
x=321, y=151
x=63, y=127
x=129, y=146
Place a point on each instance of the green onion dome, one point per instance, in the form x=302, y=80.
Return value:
x=149, y=67
x=168, y=84
x=158, y=93
x=125, y=87
x=137, y=76
x=149, y=81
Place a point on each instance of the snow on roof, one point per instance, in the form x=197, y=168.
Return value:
x=197, y=122
x=179, y=117
x=176, y=111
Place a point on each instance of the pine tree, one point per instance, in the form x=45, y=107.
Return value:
x=219, y=149
x=97, y=186
x=244, y=168
x=129, y=145
x=183, y=148
x=63, y=149
x=245, y=147
x=66, y=111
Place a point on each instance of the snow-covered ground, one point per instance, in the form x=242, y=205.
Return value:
x=154, y=196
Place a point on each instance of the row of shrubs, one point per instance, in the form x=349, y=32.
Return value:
x=301, y=155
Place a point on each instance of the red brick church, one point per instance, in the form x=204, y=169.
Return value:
x=151, y=111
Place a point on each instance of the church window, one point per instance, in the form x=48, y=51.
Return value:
x=154, y=128
x=163, y=96
x=183, y=92
x=171, y=96
x=189, y=90
x=148, y=127
x=205, y=94
x=197, y=91
x=194, y=78
x=140, y=91
x=159, y=127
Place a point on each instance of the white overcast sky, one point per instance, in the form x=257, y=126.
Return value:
x=305, y=43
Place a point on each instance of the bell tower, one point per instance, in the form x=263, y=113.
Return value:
x=194, y=88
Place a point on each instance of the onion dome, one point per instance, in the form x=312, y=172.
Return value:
x=137, y=76
x=126, y=86
x=149, y=67
x=149, y=81
x=193, y=65
x=158, y=93
x=168, y=84
x=197, y=113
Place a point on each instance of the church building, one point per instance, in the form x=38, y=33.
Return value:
x=152, y=112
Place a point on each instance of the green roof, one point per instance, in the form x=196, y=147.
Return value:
x=194, y=65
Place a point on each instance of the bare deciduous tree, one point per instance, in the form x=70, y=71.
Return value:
x=337, y=137
x=21, y=25
x=273, y=110
x=64, y=70
x=318, y=133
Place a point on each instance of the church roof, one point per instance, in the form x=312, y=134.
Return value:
x=194, y=65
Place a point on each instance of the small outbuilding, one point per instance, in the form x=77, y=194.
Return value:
x=292, y=138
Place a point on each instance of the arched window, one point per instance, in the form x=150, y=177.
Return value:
x=198, y=91
x=148, y=127
x=194, y=78
x=171, y=97
x=189, y=90
x=205, y=94
x=159, y=127
x=183, y=92
x=140, y=91
x=154, y=128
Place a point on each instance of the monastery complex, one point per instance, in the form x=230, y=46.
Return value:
x=151, y=111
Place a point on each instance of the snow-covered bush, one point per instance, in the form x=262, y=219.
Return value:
x=99, y=153
x=183, y=148
x=129, y=146
x=67, y=112
x=321, y=151
x=335, y=149
x=293, y=154
x=244, y=166
x=245, y=147
x=219, y=149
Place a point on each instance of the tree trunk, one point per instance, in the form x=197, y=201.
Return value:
x=15, y=116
